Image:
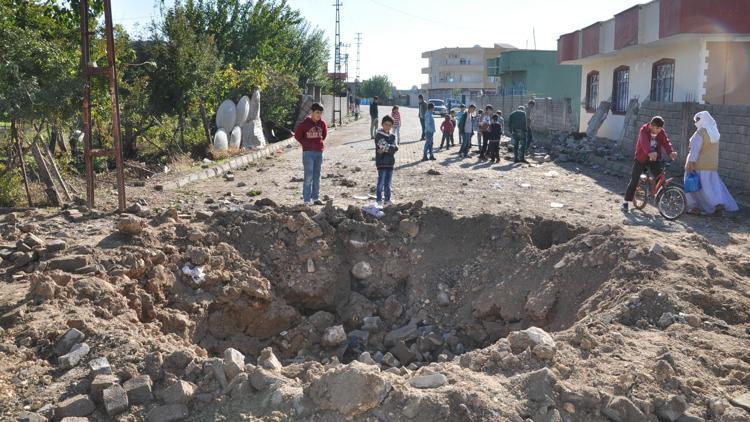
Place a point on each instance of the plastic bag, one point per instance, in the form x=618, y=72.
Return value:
x=692, y=182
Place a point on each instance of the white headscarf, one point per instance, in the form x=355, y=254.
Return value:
x=704, y=120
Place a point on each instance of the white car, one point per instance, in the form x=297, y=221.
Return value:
x=440, y=108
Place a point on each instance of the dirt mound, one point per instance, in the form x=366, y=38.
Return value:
x=279, y=313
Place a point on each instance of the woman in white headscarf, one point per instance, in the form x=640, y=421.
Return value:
x=703, y=158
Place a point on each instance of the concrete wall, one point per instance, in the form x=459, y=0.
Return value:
x=734, y=125
x=306, y=102
x=548, y=115
x=728, y=73
x=688, y=83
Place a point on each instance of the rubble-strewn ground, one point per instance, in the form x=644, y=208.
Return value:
x=244, y=310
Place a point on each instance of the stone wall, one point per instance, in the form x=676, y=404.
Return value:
x=734, y=125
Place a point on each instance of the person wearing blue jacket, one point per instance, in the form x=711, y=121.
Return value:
x=429, y=132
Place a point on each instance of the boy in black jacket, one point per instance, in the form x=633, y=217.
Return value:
x=494, y=134
x=385, y=159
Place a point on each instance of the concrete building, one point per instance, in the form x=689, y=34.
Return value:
x=460, y=71
x=665, y=51
x=536, y=72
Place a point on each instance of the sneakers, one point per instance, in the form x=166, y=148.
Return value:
x=308, y=203
x=388, y=203
x=432, y=157
x=380, y=204
x=425, y=158
x=318, y=202
x=523, y=161
x=624, y=207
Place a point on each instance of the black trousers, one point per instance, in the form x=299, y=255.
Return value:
x=655, y=167
x=493, y=149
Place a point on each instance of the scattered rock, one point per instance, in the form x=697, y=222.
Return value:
x=673, y=408
x=69, y=263
x=66, y=342
x=620, y=409
x=101, y=383
x=373, y=323
x=268, y=360
x=428, y=381
x=72, y=358
x=130, y=225
x=100, y=366
x=80, y=405
x=742, y=400
x=139, y=389
x=656, y=249
x=180, y=392
x=405, y=333
x=365, y=358
x=333, y=336
x=115, y=400
x=350, y=390
x=234, y=363
x=167, y=413
x=530, y=338
x=362, y=270
x=539, y=385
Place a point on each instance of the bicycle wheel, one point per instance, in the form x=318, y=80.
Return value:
x=671, y=202
x=640, y=199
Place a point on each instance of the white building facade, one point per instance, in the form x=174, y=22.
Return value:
x=460, y=71
x=664, y=52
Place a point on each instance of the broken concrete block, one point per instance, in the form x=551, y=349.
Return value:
x=80, y=405
x=100, y=366
x=167, y=413
x=101, y=383
x=181, y=392
x=115, y=400
x=234, y=362
x=69, y=263
x=72, y=358
x=71, y=337
x=217, y=366
x=405, y=333
x=139, y=389
x=262, y=379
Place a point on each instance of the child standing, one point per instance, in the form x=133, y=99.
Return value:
x=447, y=128
x=396, y=115
x=385, y=159
x=466, y=130
x=429, y=132
x=453, y=120
x=311, y=133
x=494, y=134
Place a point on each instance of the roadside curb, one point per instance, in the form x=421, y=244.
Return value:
x=232, y=164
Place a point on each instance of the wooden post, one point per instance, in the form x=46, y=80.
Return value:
x=56, y=174
x=18, y=138
x=204, y=119
x=44, y=173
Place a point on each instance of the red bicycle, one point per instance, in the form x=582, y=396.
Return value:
x=669, y=199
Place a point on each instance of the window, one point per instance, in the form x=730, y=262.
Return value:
x=620, y=85
x=592, y=91
x=462, y=61
x=662, y=80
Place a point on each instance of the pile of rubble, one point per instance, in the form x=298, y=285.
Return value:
x=579, y=148
x=286, y=313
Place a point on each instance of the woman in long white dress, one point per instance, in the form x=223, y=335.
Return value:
x=703, y=158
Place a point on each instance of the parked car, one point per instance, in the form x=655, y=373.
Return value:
x=454, y=105
x=440, y=108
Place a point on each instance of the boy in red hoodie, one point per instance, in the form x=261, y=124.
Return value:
x=310, y=134
x=447, y=128
x=651, y=140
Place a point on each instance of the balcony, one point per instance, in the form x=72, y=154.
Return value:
x=426, y=70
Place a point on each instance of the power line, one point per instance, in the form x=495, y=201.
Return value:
x=412, y=15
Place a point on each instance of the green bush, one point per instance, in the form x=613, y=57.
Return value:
x=10, y=187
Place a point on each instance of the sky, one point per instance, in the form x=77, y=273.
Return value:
x=396, y=32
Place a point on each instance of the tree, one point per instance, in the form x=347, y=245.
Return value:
x=378, y=85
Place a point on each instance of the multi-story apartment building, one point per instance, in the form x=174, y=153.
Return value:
x=461, y=71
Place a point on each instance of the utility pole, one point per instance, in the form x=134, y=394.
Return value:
x=337, y=60
x=356, y=78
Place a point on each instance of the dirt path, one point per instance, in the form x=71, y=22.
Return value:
x=465, y=187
